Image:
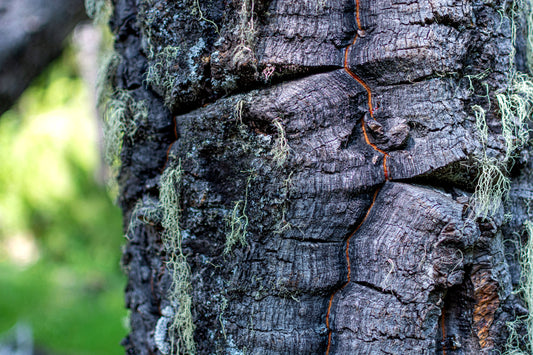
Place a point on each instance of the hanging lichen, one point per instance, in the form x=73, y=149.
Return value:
x=181, y=329
x=515, y=106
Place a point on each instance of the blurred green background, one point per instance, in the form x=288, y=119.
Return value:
x=60, y=234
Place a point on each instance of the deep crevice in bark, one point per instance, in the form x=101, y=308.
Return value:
x=456, y=319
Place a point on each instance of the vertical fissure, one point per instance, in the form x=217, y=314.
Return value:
x=359, y=33
x=443, y=329
x=175, y=131
x=349, y=274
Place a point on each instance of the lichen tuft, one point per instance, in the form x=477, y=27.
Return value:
x=181, y=330
x=98, y=10
x=122, y=116
x=237, y=220
x=515, y=106
x=280, y=151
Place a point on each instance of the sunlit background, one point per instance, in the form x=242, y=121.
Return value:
x=61, y=287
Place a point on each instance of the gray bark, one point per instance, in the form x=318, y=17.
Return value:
x=32, y=34
x=345, y=253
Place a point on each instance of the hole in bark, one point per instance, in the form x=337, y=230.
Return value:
x=455, y=334
x=458, y=174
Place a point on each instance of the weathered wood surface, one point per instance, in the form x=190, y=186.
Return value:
x=420, y=274
x=32, y=34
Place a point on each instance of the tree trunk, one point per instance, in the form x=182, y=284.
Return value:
x=32, y=34
x=297, y=176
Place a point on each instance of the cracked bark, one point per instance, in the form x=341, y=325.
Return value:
x=424, y=275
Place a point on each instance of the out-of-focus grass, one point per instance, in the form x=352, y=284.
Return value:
x=60, y=234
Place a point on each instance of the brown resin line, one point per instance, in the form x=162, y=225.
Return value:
x=349, y=276
x=369, y=92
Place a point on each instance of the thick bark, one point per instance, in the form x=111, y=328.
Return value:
x=32, y=34
x=353, y=175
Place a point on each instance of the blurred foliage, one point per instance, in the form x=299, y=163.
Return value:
x=60, y=235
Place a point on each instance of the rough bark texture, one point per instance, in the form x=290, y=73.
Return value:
x=32, y=34
x=344, y=253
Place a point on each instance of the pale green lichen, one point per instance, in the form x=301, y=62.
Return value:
x=515, y=109
x=181, y=330
x=515, y=105
x=515, y=112
x=173, y=68
x=222, y=308
x=320, y=5
x=237, y=111
x=122, y=116
x=98, y=10
x=493, y=182
x=527, y=281
x=161, y=70
x=109, y=63
x=516, y=343
x=247, y=35
x=114, y=127
x=280, y=151
x=146, y=211
x=196, y=10
x=175, y=329
x=237, y=220
x=283, y=225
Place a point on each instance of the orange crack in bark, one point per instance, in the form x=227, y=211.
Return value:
x=349, y=276
x=385, y=170
x=368, y=90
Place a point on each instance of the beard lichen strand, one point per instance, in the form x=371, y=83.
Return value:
x=368, y=90
x=349, y=274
